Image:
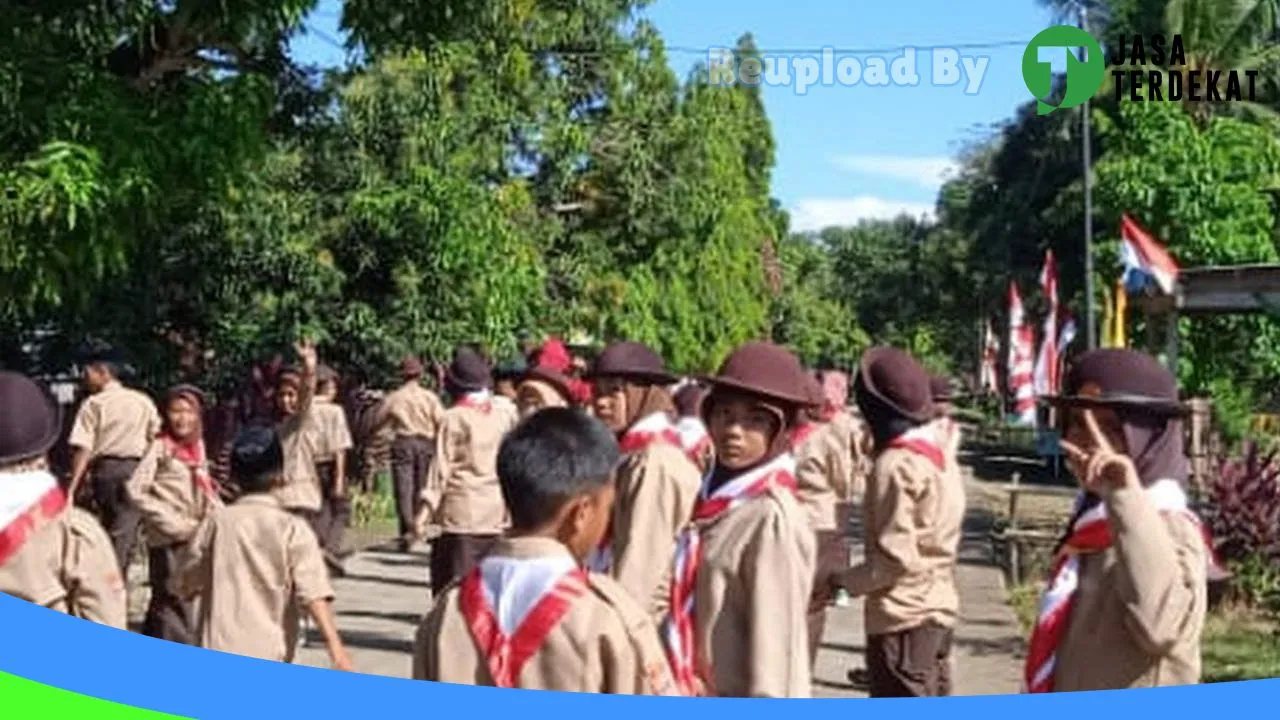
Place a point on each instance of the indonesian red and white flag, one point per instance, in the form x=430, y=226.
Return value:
x=27, y=502
x=1145, y=260
x=1046, y=371
x=1091, y=534
x=1021, y=360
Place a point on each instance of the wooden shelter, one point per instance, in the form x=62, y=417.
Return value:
x=1202, y=292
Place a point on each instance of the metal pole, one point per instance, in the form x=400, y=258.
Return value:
x=1091, y=336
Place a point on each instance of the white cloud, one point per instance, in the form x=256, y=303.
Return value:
x=926, y=171
x=811, y=214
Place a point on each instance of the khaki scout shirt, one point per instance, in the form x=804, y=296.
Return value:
x=253, y=564
x=824, y=468
x=604, y=643
x=115, y=422
x=69, y=565
x=164, y=491
x=335, y=434
x=302, y=441
x=412, y=411
x=912, y=515
x=657, y=489
x=1139, y=609
x=462, y=484
x=752, y=599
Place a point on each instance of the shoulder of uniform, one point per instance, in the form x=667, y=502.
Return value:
x=623, y=606
x=667, y=453
x=82, y=524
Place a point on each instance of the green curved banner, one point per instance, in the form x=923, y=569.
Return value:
x=26, y=699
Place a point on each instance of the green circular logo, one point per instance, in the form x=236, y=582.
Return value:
x=1084, y=79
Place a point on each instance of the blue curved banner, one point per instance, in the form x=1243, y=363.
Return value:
x=53, y=649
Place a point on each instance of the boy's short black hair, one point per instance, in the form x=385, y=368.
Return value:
x=551, y=457
x=257, y=459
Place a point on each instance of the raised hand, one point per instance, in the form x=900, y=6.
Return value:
x=307, y=352
x=1100, y=469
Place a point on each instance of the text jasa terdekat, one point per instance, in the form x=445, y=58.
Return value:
x=1153, y=69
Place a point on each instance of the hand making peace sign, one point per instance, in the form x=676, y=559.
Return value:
x=1101, y=468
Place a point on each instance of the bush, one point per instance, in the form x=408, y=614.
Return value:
x=1244, y=515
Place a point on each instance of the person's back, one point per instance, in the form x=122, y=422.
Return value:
x=529, y=615
x=254, y=564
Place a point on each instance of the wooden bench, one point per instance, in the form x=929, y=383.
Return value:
x=1014, y=537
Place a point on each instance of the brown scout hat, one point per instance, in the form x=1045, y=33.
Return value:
x=633, y=361
x=468, y=372
x=184, y=390
x=550, y=376
x=30, y=420
x=896, y=379
x=766, y=370
x=940, y=388
x=1120, y=378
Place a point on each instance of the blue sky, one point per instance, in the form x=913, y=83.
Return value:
x=844, y=152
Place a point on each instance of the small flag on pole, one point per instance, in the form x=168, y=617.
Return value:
x=1145, y=260
x=1021, y=361
x=990, y=361
x=1046, y=370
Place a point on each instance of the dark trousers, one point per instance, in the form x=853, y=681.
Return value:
x=410, y=460
x=910, y=663
x=833, y=559
x=454, y=555
x=114, y=508
x=168, y=617
x=335, y=513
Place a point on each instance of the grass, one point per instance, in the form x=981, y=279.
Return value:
x=1237, y=644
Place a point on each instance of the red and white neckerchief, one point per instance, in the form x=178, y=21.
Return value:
x=648, y=430
x=511, y=605
x=482, y=401
x=694, y=438
x=802, y=433
x=923, y=441
x=678, y=628
x=192, y=455
x=1090, y=533
x=27, y=501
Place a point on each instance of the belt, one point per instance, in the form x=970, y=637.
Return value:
x=116, y=458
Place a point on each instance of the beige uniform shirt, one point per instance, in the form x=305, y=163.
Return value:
x=302, y=440
x=752, y=599
x=412, y=411
x=1140, y=605
x=115, y=422
x=164, y=491
x=335, y=434
x=504, y=405
x=824, y=464
x=69, y=565
x=462, y=484
x=604, y=643
x=912, y=516
x=657, y=489
x=253, y=564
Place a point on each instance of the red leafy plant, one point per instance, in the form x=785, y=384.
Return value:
x=1243, y=513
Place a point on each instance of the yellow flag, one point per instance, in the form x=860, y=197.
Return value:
x=1121, y=301
x=1107, y=323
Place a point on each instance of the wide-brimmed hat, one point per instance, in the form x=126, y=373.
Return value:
x=557, y=380
x=766, y=370
x=631, y=361
x=898, y=380
x=30, y=419
x=468, y=372
x=688, y=399
x=1118, y=378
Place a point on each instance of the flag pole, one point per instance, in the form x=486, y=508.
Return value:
x=1090, y=328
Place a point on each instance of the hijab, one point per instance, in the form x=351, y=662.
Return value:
x=779, y=441
x=884, y=421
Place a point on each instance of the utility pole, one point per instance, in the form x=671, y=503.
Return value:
x=1091, y=336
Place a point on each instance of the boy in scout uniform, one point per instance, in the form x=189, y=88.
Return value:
x=51, y=553
x=744, y=566
x=657, y=482
x=529, y=615
x=112, y=431
x=912, y=512
x=174, y=491
x=331, y=468
x=462, y=491
x=254, y=563
x=300, y=438
x=413, y=414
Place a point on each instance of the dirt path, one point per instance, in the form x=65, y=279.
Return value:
x=385, y=593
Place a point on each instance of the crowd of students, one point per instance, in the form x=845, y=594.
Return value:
x=615, y=528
